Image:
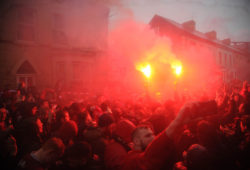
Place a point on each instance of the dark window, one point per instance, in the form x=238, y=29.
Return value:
x=59, y=37
x=76, y=70
x=225, y=59
x=58, y=22
x=58, y=32
x=220, y=58
x=26, y=24
x=60, y=71
x=231, y=60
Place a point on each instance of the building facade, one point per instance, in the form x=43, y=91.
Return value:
x=185, y=37
x=44, y=42
x=244, y=70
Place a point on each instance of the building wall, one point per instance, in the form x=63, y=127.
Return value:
x=226, y=58
x=48, y=33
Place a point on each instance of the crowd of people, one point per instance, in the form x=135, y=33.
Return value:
x=57, y=131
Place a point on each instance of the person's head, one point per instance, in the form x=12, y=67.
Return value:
x=30, y=109
x=245, y=89
x=196, y=157
x=32, y=127
x=62, y=116
x=105, y=120
x=8, y=145
x=105, y=106
x=83, y=119
x=3, y=114
x=244, y=108
x=124, y=129
x=45, y=104
x=186, y=139
x=117, y=113
x=179, y=166
x=75, y=108
x=34, y=110
x=18, y=92
x=236, y=98
x=51, y=150
x=22, y=84
x=142, y=137
x=68, y=130
x=159, y=121
x=78, y=155
x=206, y=133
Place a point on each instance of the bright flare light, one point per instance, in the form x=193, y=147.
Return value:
x=177, y=69
x=145, y=69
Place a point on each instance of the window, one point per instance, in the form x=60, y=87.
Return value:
x=224, y=76
x=76, y=70
x=58, y=22
x=230, y=60
x=29, y=80
x=59, y=35
x=225, y=59
x=220, y=58
x=26, y=24
x=231, y=76
x=234, y=60
x=60, y=70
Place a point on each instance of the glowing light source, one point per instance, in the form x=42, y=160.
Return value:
x=145, y=69
x=177, y=68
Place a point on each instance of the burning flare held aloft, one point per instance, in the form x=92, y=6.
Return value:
x=177, y=67
x=159, y=65
x=145, y=69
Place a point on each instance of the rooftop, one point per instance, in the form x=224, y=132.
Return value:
x=195, y=33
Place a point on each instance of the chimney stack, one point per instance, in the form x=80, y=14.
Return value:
x=189, y=25
x=211, y=35
x=227, y=41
